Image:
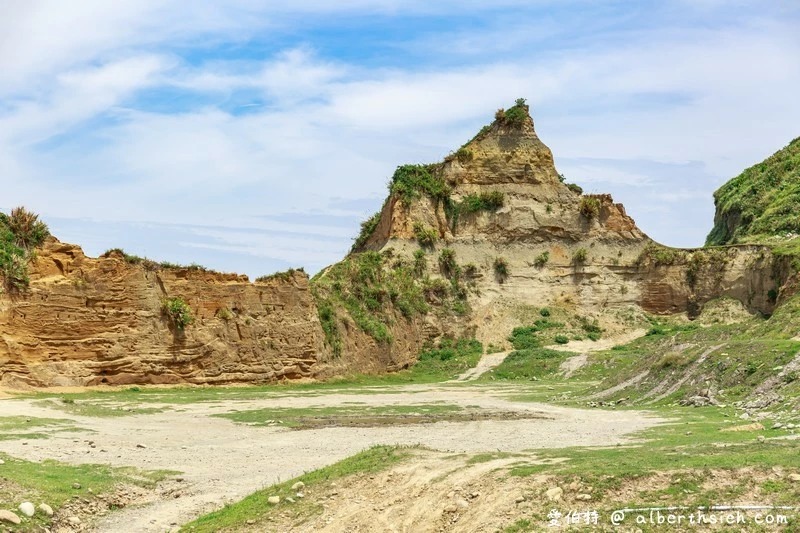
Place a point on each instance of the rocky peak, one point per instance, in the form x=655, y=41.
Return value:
x=506, y=151
x=500, y=187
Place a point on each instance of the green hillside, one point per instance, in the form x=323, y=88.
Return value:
x=761, y=203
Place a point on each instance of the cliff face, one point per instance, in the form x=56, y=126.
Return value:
x=558, y=246
x=89, y=321
x=460, y=248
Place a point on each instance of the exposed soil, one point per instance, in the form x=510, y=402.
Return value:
x=222, y=461
x=486, y=363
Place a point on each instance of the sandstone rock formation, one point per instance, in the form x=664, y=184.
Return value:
x=514, y=234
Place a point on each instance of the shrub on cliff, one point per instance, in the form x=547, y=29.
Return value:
x=426, y=237
x=589, y=207
x=178, y=312
x=580, y=256
x=29, y=232
x=367, y=228
x=20, y=233
x=447, y=262
x=517, y=114
x=484, y=201
x=501, y=270
x=410, y=182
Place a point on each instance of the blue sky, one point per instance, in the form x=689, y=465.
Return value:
x=249, y=136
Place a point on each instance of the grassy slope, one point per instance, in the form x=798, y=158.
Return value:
x=765, y=199
x=52, y=482
x=749, y=353
x=256, y=509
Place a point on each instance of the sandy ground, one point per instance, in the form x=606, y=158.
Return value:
x=222, y=461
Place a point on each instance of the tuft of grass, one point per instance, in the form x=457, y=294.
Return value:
x=285, y=275
x=367, y=229
x=447, y=263
x=542, y=259
x=580, y=256
x=501, y=270
x=589, y=207
x=426, y=236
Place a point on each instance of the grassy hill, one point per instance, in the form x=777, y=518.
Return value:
x=762, y=204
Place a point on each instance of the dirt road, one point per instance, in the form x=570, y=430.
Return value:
x=222, y=461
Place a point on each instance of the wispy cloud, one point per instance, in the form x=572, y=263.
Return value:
x=243, y=116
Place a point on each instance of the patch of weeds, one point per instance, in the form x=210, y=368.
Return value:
x=524, y=337
x=542, y=259
x=580, y=256
x=286, y=275
x=177, y=312
x=447, y=262
x=343, y=416
x=368, y=227
x=501, y=269
x=26, y=427
x=574, y=187
x=561, y=339
x=426, y=237
x=52, y=482
x=533, y=363
x=589, y=207
x=256, y=508
x=372, y=291
x=99, y=408
x=411, y=182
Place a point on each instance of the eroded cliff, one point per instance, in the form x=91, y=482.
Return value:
x=459, y=248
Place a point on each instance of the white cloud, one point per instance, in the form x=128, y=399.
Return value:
x=295, y=130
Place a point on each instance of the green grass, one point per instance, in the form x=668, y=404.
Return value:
x=367, y=229
x=21, y=232
x=52, y=482
x=749, y=353
x=314, y=417
x=27, y=427
x=98, y=407
x=411, y=182
x=256, y=507
x=375, y=293
x=284, y=275
x=761, y=202
x=674, y=464
x=533, y=363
